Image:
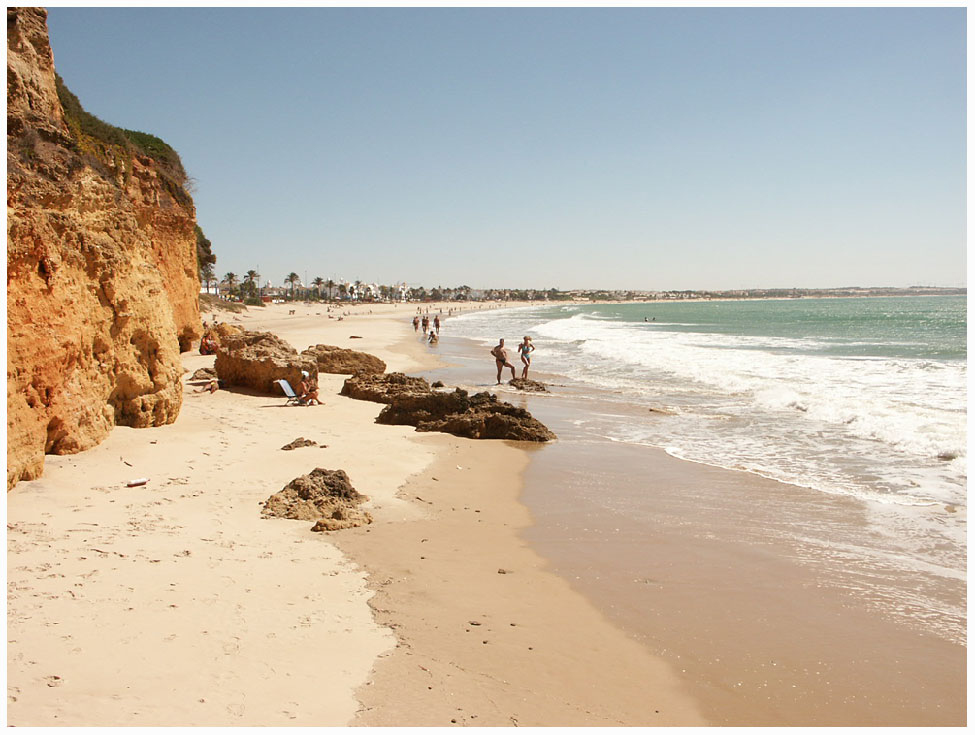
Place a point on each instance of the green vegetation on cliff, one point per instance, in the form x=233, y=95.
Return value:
x=112, y=146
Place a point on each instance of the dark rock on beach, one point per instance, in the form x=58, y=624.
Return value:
x=411, y=401
x=340, y=361
x=298, y=443
x=324, y=496
x=527, y=384
x=481, y=416
x=382, y=388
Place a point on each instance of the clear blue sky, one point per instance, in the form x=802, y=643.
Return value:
x=641, y=148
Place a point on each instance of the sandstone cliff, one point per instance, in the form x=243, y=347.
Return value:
x=102, y=280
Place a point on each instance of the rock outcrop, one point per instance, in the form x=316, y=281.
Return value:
x=341, y=361
x=204, y=374
x=383, y=388
x=413, y=402
x=528, y=385
x=256, y=359
x=481, y=416
x=102, y=278
x=299, y=443
x=325, y=496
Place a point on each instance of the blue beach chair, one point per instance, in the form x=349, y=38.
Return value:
x=293, y=399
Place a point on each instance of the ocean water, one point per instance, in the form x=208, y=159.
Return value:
x=855, y=398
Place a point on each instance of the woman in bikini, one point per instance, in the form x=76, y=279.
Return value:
x=525, y=349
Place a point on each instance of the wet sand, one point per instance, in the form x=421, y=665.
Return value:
x=712, y=569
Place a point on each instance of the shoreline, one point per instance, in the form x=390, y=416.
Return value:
x=709, y=571
x=175, y=603
x=484, y=593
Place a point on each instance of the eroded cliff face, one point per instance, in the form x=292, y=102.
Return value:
x=102, y=280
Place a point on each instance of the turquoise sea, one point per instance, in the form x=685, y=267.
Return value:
x=865, y=397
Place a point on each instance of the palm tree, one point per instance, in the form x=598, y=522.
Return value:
x=251, y=280
x=343, y=290
x=329, y=284
x=207, y=275
x=292, y=278
x=358, y=290
x=231, y=280
x=318, y=283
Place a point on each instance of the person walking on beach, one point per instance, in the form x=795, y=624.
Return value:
x=525, y=349
x=501, y=358
x=416, y=324
x=436, y=323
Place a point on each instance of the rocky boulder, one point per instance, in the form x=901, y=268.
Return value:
x=382, y=388
x=204, y=374
x=481, y=416
x=256, y=359
x=299, y=443
x=324, y=496
x=338, y=360
x=223, y=329
x=526, y=384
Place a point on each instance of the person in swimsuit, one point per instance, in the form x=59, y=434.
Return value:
x=525, y=349
x=309, y=390
x=501, y=358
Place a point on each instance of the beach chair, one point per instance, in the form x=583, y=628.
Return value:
x=293, y=399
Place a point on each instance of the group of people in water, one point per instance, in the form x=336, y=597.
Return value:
x=425, y=323
x=500, y=353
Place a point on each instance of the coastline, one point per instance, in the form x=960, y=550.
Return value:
x=485, y=593
x=175, y=603
x=711, y=569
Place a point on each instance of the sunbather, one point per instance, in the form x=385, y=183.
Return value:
x=309, y=390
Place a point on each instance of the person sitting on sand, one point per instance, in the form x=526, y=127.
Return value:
x=309, y=390
x=434, y=337
x=525, y=349
x=501, y=359
x=208, y=345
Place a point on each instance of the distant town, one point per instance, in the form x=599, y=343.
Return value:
x=249, y=291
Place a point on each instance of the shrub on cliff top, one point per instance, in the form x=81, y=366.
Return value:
x=85, y=125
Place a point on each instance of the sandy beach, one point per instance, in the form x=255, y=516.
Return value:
x=175, y=603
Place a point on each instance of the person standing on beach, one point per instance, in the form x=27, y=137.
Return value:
x=436, y=323
x=416, y=324
x=501, y=358
x=525, y=349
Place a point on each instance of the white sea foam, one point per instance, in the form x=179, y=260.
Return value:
x=882, y=420
x=872, y=427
